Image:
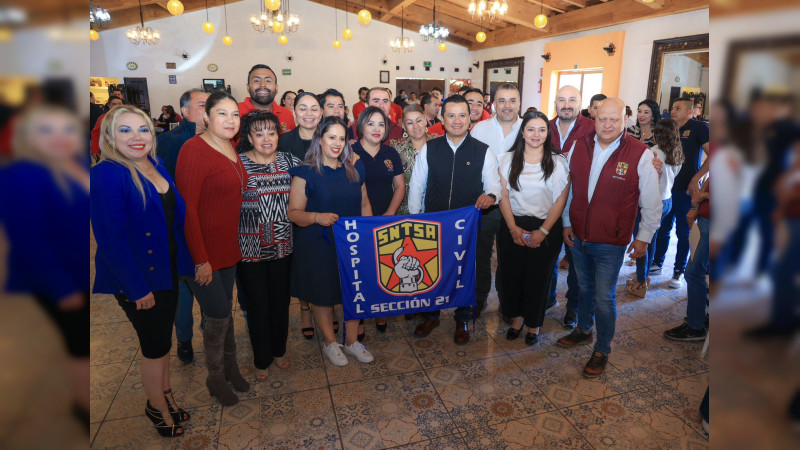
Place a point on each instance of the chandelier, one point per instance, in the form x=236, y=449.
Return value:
x=141, y=34
x=402, y=43
x=493, y=11
x=434, y=31
x=279, y=20
x=98, y=18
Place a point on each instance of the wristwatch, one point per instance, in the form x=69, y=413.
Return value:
x=494, y=197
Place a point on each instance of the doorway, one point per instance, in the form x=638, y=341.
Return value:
x=418, y=85
x=137, y=93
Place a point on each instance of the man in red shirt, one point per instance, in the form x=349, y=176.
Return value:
x=396, y=111
x=95, y=135
x=361, y=105
x=262, y=85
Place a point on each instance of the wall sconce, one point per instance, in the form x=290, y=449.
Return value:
x=289, y=56
x=610, y=49
x=477, y=64
x=546, y=57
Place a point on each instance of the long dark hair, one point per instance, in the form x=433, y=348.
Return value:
x=314, y=153
x=518, y=160
x=653, y=111
x=366, y=115
x=258, y=121
x=667, y=136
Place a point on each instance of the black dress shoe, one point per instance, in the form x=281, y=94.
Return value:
x=531, y=338
x=185, y=352
x=513, y=333
x=381, y=327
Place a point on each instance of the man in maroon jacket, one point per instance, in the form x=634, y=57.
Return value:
x=565, y=129
x=612, y=177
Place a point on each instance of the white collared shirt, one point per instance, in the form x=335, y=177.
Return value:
x=563, y=136
x=649, y=192
x=490, y=132
x=490, y=178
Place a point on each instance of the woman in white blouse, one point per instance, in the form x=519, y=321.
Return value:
x=535, y=181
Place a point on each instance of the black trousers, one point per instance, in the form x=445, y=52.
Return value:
x=266, y=287
x=527, y=272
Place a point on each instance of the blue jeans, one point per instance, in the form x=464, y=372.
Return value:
x=786, y=292
x=573, y=290
x=681, y=203
x=184, y=321
x=597, y=267
x=696, y=284
x=643, y=264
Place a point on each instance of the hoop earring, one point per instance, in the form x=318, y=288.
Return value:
x=405, y=135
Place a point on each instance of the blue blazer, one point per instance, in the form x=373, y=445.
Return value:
x=132, y=238
x=45, y=225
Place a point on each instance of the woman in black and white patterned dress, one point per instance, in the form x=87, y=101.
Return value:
x=265, y=238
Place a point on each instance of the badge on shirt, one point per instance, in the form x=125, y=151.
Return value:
x=622, y=168
x=687, y=133
x=388, y=164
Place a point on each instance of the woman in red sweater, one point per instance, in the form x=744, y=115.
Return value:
x=210, y=176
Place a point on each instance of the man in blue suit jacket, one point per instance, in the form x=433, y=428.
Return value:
x=193, y=103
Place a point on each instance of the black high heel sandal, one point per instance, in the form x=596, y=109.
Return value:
x=307, y=332
x=381, y=327
x=163, y=429
x=178, y=415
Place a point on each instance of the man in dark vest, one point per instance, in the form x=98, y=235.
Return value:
x=612, y=177
x=565, y=129
x=451, y=172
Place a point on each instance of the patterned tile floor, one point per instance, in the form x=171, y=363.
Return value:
x=425, y=393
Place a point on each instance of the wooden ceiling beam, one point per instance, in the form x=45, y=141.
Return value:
x=596, y=16
x=578, y=3
x=395, y=7
x=122, y=16
x=655, y=4
x=546, y=6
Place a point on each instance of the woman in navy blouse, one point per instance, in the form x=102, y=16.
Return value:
x=138, y=218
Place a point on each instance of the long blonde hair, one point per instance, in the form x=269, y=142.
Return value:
x=22, y=143
x=108, y=143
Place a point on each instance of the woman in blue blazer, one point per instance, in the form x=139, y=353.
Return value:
x=137, y=218
x=44, y=201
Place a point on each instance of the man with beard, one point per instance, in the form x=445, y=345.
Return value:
x=565, y=130
x=361, y=105
x=262, y=85
x=499, y=133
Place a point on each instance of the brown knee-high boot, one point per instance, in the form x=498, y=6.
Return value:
x=213, y=340
x=232, y=373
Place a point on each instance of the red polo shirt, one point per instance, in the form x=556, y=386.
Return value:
x=284, y=115
x=358, y=108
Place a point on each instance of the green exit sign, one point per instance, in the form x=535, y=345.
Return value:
x=427, y=63
x=287, y=71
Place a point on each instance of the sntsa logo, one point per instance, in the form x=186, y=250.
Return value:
x=408, y=256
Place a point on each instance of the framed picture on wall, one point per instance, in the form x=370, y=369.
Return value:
x=213, y=84
x=384, y=78
x=173, y=79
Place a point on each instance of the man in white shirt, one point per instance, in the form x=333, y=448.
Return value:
x=612, y=176
x=499, y=134
x=451, y=172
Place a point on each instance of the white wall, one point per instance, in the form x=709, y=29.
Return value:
x=316, y=65
x=639, y=37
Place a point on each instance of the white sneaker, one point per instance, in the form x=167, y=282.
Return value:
x=334, y=354
x=677, y=281
x=358, y=350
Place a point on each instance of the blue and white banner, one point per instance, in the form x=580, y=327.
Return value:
x=395, y=265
